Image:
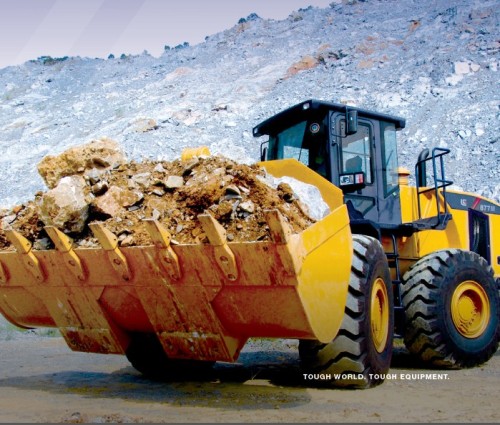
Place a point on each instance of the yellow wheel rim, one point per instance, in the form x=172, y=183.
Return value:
x=470, y=309
x=379, y=309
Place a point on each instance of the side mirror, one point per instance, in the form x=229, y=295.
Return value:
x=421, y=169
x=351, y=118
x=263, y=150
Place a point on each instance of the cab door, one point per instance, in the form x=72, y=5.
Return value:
x=354, y=154
x=373, y=151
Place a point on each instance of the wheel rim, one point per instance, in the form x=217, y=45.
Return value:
x=379, y=315
x=470, y=309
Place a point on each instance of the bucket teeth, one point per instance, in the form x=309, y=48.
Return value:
x=161, y=239
x=279, y=229
x=4, y=274
x=20, y=243
x=224, y=257
x=289, y=250
x=23, y=246
x=109, y=242
x=64, y=244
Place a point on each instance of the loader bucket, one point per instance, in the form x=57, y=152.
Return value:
x=203, y=301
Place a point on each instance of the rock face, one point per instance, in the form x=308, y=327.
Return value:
x=93, y=157
x=434, y=62
x=67, y=205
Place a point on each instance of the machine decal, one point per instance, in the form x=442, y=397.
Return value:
x=462, y=201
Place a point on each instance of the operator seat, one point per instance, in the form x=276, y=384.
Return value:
x=354, y=165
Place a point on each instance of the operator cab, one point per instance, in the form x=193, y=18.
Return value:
x=355, y=149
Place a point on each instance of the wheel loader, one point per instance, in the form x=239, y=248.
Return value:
x=389, y=259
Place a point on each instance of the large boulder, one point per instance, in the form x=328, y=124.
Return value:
x=116, y=200
x=95, y=156
x=67, y=205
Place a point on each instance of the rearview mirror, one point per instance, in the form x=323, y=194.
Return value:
x=351, y=118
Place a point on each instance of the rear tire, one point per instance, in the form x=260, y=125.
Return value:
x=451, y=305
x=146, y=355
x=360, y=355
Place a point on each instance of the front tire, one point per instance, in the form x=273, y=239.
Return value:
x=360, y=355
x=451, y=305
x=146, y=355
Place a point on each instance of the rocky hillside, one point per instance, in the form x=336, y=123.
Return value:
x=434, y=62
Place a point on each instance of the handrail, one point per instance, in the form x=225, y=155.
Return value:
x=440, y=182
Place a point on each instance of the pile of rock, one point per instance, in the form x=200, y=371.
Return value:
x=95, y=182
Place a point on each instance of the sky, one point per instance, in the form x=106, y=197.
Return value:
x=96, y=28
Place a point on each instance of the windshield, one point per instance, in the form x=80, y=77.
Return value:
x=305, y=141
x=288, y=144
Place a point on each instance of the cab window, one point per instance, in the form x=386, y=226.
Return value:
x=306, y=142
x=389, y=158
x=356, y=153
x=288, y=144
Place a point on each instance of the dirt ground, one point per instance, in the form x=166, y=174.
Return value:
x=41, y=380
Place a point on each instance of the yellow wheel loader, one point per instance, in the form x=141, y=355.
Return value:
x=388, y=259
x=441, y=247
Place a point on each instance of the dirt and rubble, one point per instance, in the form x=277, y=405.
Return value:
x=95, y=182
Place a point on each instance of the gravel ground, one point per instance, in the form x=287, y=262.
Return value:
x=41, y=380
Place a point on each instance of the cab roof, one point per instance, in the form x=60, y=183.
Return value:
x=304, y=109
